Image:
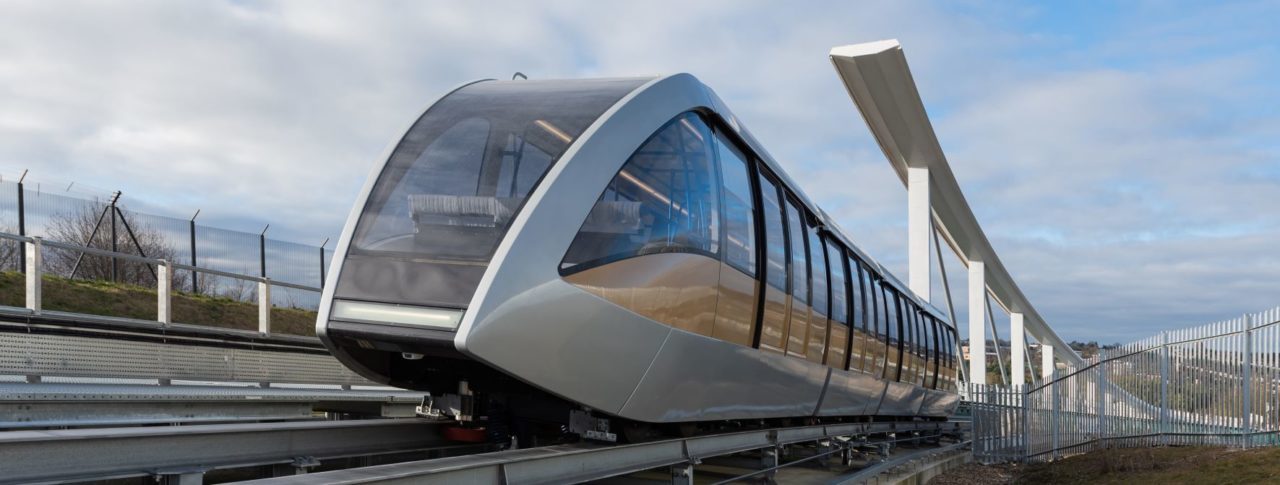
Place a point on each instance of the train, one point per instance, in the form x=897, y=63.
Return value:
x=619, y=255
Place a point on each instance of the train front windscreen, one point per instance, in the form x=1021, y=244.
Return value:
x=451, y=188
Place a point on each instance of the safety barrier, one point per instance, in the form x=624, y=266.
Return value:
x=33, y=256
x=1218, y=384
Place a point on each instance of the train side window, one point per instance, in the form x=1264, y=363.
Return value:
x=882, y=315
x=664, y=199
x=739, y=208
x=892, y=332
x=871, y=352
x=839, y=281
x=775, y=272
x=922, y=348
x=799, y=276
x=933, y=351
x=857, y=319
x=818, y=272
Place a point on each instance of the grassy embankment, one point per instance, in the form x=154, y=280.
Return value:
x=120, y=300
x=1170, y=465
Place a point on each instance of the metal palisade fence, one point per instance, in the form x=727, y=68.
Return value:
x=103, y=222
x=1217, y=384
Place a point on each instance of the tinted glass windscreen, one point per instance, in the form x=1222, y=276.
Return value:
x=455, y=182
x=452, y=186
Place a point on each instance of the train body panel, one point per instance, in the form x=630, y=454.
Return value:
x=659, y=300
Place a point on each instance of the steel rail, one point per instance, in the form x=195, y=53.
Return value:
x=100, y=453
x=807, y=459
x=865, y=474
x=584, y=462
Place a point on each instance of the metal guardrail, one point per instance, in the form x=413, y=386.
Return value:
x=1217, y=384
x=32, y=257
x=580, y=463
x=187, y=452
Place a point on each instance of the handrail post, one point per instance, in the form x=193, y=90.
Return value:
x=264, y=307
x=164, y=292
x=34, y=270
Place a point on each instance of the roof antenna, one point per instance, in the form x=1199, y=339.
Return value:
x=520, y=75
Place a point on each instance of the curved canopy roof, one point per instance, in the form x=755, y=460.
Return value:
x=879, y=81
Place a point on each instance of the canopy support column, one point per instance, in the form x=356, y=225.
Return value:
x=919, y=225
x=977, y=320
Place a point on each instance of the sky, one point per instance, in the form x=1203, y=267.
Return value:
x=1121, y=156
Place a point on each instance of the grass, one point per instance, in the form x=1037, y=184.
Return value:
x=130, y=301
x=1168, y=466
x=1190, y=465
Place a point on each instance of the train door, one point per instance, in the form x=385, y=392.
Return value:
x=773, y=318
x=821, y=296
x=798, y=317
x=739, y=288
x=838, y=335
x=893, y=334
x=857, y=316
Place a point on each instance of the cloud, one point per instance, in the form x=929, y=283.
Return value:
x=1128, y=176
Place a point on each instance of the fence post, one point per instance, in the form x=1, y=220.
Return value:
x=264, y=307
x=1026, y=423
x=33, y=275
x=115, y=262
x=326, y=241
x=22, y=222
x=1246, y=411
x=164, y=289
x=1103, y=432
x=262, y=251
x=1054, y=419
x=195, y=286
x=1164, y=388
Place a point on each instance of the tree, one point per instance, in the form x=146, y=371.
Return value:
x=78, y=227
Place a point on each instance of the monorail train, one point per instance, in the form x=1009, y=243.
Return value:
x=624, y=250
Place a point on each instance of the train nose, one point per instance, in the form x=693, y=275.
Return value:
x=435, y=214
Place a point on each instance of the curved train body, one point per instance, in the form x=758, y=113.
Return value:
x=623, y=246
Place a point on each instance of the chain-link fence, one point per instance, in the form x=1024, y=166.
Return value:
x=1217, y=384
x=102, y=222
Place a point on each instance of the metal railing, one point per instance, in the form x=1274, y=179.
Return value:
x=1217, y=384
x=33, y=256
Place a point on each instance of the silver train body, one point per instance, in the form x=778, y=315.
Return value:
x=624, y=246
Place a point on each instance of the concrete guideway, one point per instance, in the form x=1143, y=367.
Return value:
x=189, y=451
x=585, y=462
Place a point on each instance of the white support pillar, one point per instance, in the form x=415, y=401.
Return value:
x=34, y=279
x=1046, y=363
x=1017, y=343
x=164, y=290
x=977, y=323
x=919, y=226
x=264, y=307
